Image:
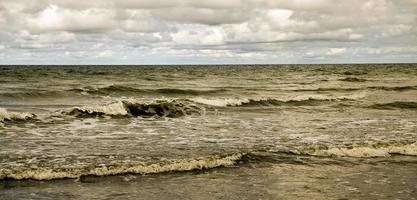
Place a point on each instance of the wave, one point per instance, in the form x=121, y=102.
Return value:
x=361, y=150
x=353, y=79
x=327, y=89
x=110, y=90
x=385, y=88
x=395, y=105
x=181, y=107
x=36, y=94
x=395, y=88
x=48, y=173
x=160, y=108
x=14, y=116
x=373, y=150
x=302, y=100
x=130, y=90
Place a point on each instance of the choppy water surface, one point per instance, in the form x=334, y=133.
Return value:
x=209, y=132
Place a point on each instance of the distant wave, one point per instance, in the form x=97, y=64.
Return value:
x=360, y=150
x=120, y=90
x=353, y=79
x=327, y=89
x=161, y=108
x=302, y=100
x=395, y=105
x=14, y=116
x=394, y=88
x=36, y=94
x=48, y=173
x=167, y=91
x=109, y=90
x=386, y=88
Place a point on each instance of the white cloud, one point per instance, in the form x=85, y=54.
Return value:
x=336, y=51
x=228, y=30
x=54, y=18
x=201, y=15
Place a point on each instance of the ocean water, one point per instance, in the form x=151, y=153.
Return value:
x=209, y=132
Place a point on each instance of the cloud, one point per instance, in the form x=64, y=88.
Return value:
x=54, y=18
x=201, y=15
x=336, y=51
x=208, y=31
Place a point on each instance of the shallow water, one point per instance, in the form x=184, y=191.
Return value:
x=209, y=132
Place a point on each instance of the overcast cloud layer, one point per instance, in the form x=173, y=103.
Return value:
x=207, y=31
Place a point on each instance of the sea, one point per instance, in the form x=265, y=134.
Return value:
x=342, y=131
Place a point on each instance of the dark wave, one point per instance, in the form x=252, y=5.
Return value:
x=328, y=89
x=163, y=108
x=37, y=94
x=119, y=89
x=353, y=79
x=171, y=109
x=109, y=90
x=395, y=88
x=274, y=102
x=355, y=73
x=386, y=88
x=395, y=105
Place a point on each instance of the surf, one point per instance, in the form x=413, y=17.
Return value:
x=6, y=116
x=49, y=173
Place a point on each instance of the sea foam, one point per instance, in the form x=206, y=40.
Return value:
x=285, y=100
x=45, y=173
x=14, y=116
x=362, y=151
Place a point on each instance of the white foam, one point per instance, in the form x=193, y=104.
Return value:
x=363, y=151
x=323, y=97
x=223, y=102
x=179, y=165
x=110, y=109
x=6, y=115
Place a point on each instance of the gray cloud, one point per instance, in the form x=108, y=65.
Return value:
x=138, y=31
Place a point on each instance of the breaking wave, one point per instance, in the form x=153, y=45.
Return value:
x=180, y=165
x=360, y=150
x=14, y=116
x=161, y=108
x=304, y=100
x=48, y=173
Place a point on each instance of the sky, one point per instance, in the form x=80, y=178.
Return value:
x=207, y=31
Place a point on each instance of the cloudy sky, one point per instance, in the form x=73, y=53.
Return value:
x=207, y=31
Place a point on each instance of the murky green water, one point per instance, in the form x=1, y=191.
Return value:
x=208, y=132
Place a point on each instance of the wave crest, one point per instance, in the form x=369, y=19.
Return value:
x=45, y=173
x=303, y=100
x=14, y=116
x=361, y=151
x=117, y=89
x=161, y=108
